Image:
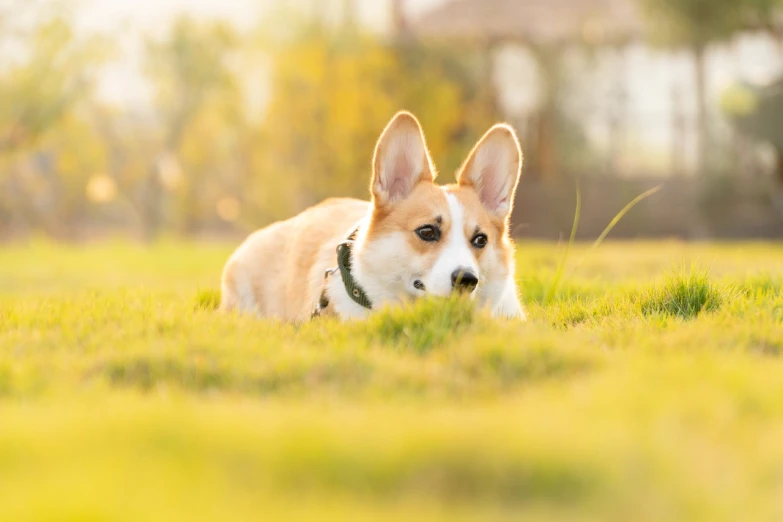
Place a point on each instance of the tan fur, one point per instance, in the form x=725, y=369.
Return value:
x=284, y=264
x=496, y=229
x=425, y=204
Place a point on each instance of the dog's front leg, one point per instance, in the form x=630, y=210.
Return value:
x=508, y=306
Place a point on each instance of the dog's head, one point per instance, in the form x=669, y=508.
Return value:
x=423, y=239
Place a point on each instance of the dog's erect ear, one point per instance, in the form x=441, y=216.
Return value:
x=493, y=168
x=401, y=160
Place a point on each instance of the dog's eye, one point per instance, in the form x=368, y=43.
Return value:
x=479, y=240
x=428, y=233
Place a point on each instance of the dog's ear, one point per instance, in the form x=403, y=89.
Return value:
x=401, y=160
x=493, y=169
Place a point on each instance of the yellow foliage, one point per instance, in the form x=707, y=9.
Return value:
x=79, y=154
x=331, y=97
x=202, y=160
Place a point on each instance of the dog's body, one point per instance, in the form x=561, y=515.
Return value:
x=414, y=239
x=279, y=270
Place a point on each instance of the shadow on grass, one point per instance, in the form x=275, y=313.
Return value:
x=150, y=371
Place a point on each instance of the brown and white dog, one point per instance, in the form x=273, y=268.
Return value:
x=414, y=239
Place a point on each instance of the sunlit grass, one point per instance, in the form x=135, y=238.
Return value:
x=684, y=294
x=637, y=391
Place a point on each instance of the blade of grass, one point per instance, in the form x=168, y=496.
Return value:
x=622, y=213
x=559, y=277
x=561, y=266
x=627, y=208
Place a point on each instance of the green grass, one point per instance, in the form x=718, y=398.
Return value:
x=638, y=390
x=685, y=295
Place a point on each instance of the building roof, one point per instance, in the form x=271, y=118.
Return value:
x=536, y=22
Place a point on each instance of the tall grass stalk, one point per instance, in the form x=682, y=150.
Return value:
x=559, y=277
x=561, y=266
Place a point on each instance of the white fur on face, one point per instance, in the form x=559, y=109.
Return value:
x=457, y=254
x=389, y=269
x=385, y=268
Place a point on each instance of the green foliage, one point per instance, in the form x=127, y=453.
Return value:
x=757, y=111
x=199, y=101
x=37, y=90
x=695, y=23
x=189, y=68
x=210, y=157
x=226, y=151
x=333, y=92
x=48, y=149
x=763, y=14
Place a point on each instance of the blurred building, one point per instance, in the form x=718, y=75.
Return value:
x=638, y=106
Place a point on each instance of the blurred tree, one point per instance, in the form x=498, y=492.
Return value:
x=766, y=15
x=191, y=71
x=77, y=156
x=41, y=90
x=757, y=112
x=333, y=92
x=128, y=142
x=328, y=99
x=43, y=84
x=695, y=24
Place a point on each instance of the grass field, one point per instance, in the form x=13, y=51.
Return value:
x=647, y=386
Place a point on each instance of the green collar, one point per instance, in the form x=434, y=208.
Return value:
x=344, y=264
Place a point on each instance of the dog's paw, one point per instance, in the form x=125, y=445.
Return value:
x=509, y=310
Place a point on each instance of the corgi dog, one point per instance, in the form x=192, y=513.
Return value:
x=347, y=257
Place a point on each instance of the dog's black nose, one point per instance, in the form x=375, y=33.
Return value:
x=462, y=279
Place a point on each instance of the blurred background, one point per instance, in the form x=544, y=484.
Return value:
x=210, y=118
